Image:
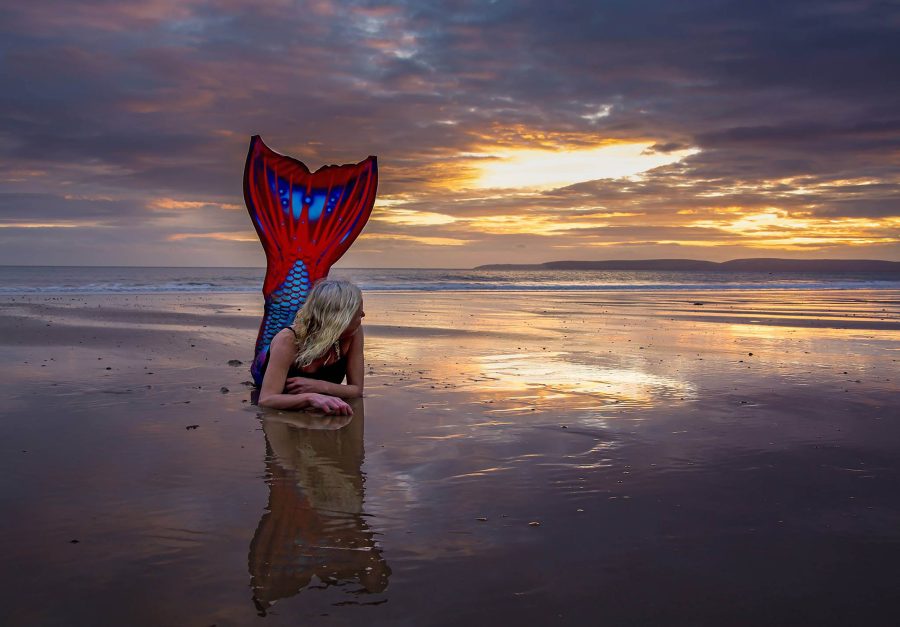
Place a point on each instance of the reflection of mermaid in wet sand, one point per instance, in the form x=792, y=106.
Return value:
x=314, y=523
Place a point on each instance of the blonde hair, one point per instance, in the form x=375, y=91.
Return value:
x=326, y=314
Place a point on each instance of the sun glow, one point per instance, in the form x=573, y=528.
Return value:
x=551, y=169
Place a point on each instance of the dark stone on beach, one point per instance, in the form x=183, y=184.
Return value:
x=224, y=390
x=189, y=427
x=108, y=368
x=698, y=303
x=750, y=354
x=235, y=362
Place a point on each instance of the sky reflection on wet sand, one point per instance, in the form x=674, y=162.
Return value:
x=675, y=477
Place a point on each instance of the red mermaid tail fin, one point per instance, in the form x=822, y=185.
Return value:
x=305, y=221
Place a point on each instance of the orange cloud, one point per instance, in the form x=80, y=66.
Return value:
x=776, y=228
x=228, y=237
x=172, y=203
x=49, y=225
x=428, y=241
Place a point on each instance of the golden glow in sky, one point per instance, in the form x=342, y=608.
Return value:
x=775, y=228
x=549, y=169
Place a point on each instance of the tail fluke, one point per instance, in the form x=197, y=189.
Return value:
x=305, y=222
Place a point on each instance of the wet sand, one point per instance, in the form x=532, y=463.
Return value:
x=530, y=458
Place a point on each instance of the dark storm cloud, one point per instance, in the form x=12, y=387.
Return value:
x=791, y=103
x=16, y=207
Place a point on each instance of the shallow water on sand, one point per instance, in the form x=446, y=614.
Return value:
x=568, y=459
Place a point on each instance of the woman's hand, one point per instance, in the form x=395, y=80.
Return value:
x=302, y=385
x=329, y=404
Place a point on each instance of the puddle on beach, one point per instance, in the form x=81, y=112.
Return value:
x=523, y=467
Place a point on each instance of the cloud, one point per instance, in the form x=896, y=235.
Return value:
x=74, y=209
x=430, y=241
x=239, y=236
x=134, y=117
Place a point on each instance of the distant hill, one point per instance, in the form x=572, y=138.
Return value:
x=761, y=264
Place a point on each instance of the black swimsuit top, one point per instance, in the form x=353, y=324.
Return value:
x=333, y=373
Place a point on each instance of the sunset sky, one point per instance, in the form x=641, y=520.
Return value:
x=506, y=131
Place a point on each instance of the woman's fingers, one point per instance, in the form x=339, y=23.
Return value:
x=333, y=405
x=340, y=407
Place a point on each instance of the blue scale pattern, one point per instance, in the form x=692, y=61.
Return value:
x=284, y=303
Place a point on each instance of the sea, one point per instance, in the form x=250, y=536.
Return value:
x=147, y=280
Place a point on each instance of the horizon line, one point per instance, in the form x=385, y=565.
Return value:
x=540, y=263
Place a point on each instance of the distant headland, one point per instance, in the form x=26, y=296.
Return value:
x=761, y=264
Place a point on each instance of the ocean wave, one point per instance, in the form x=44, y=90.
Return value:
x=454, y=286
x=112, y=280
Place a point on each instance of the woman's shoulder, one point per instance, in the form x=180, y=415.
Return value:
x=284, y=338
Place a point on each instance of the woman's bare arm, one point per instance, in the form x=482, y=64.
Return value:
x=281, y=354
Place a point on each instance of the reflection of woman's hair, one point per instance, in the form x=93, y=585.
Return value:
x=315, y=525
x=327, y=312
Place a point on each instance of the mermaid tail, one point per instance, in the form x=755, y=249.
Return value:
x=305, y=222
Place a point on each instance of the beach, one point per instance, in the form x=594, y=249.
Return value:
x=569, y=458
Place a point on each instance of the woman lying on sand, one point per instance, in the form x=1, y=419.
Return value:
x=307, y=362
